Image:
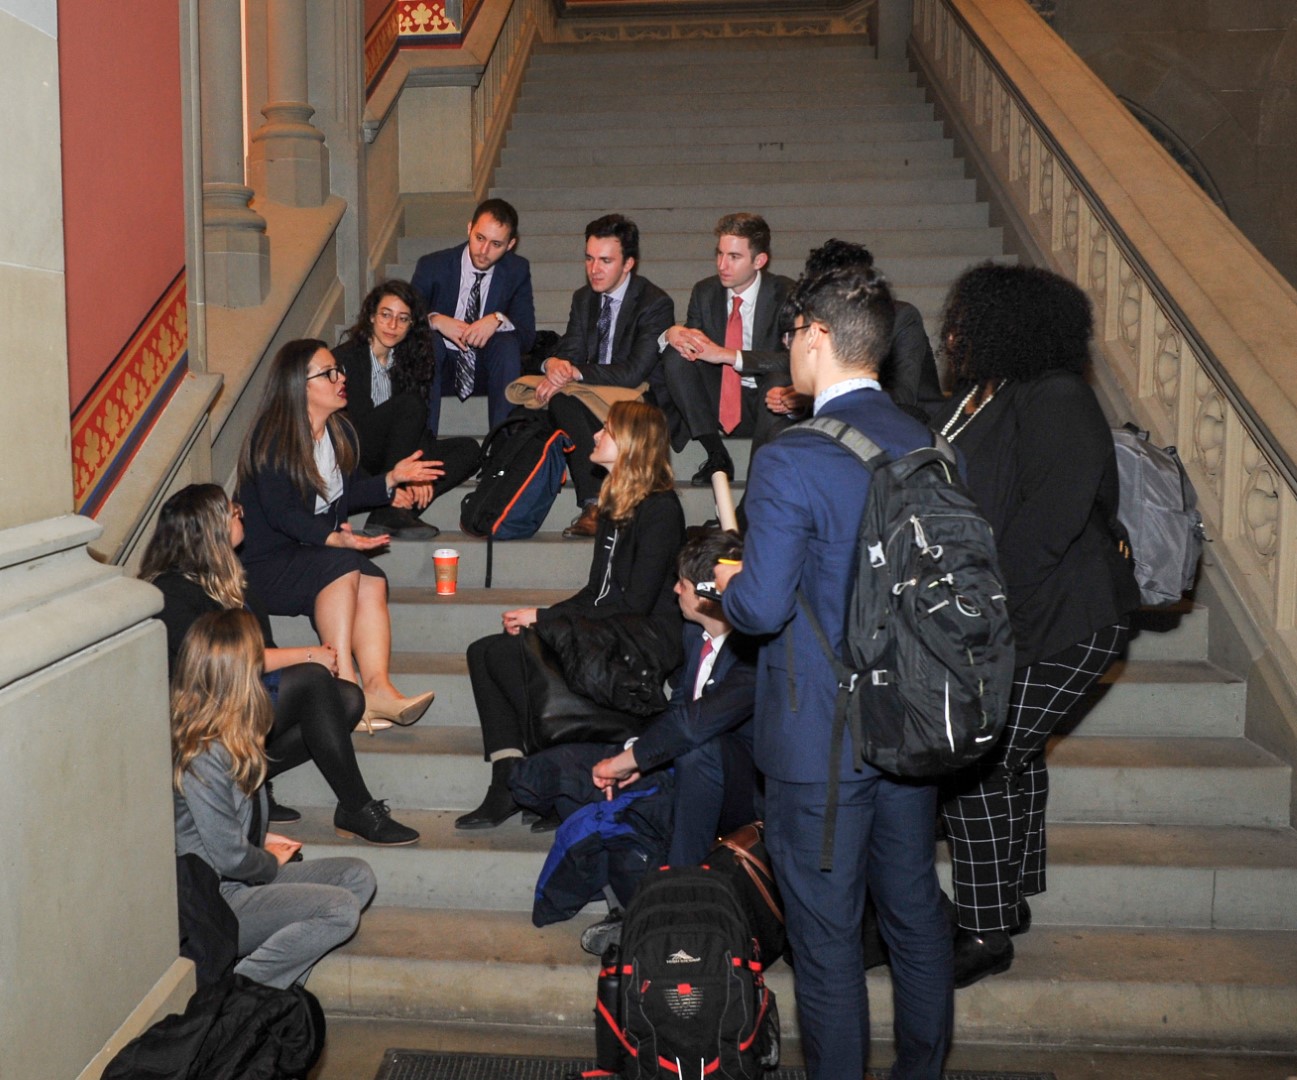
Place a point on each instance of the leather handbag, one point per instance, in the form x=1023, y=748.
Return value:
x=742, y=857
x=556, y=713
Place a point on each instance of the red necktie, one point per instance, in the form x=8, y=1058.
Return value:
x=703, y=653
x=731, y=411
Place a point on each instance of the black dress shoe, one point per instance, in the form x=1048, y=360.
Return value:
x=498, y=806
x=715, y=463
x=280, y=815
x=373, y=823
x=399, y=524
x=1024, y=918
x=546, y=824
x=979, y=955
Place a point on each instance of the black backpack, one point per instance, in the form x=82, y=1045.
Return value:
x=523, y=463
x=924, y=686
x=684, y=995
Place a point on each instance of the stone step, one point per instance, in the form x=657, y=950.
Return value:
x=519, y=178
x=848, y=122
x=862, y=126
x=683, y=99
x=754, y=155
x=1178, y=633
x=1095, y=780
x=1175, y=988
x=1166, y=698
x=655, y=56
x=890, y=247
x=1101, y=875
x=904, y=192
x=543, y=84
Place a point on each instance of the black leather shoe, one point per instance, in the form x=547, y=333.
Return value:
x=546, y=824
x=373, y=823
x=280, y=815
x=399, y=524
x=1024, y=918
x=715, y=463
x=497, y=808
x=979, y=955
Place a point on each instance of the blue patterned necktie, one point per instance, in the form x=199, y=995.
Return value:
x=603, y=330
x=467, y=360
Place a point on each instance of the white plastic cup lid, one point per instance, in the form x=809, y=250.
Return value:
x=445, y=553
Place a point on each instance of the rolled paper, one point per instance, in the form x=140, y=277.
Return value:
x=724, y=501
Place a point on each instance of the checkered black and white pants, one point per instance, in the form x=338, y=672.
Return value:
x=995, y=811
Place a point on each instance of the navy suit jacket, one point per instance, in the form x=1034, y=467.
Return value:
x=726, y=704
x=708, y=313
x=437, y=280
x=804, y=503
x=646, y=311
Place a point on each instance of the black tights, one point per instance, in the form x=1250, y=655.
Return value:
x=314, y=718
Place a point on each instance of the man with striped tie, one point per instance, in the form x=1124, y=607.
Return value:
x=481, y=312
x=611, y=340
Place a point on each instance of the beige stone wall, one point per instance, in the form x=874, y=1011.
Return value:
x=1222, y=75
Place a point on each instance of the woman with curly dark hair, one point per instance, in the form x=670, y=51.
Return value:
x=388, y=359
x=1041, y=466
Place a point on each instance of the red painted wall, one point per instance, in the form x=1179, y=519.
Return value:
x=123, y=214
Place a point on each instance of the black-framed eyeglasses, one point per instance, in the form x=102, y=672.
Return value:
x=333, y=374
x=788, y=335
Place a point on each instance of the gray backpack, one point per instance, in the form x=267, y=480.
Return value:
x=1159, y=512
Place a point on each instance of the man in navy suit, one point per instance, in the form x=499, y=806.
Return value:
x=611, y=340
x=805, y=500
x=706, y=731
x=719, y=363
x=481, y=311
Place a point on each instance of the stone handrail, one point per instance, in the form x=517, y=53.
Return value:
x=494, y=96
x=1199, y=332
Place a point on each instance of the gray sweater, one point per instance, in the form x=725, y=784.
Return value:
x=213, y=817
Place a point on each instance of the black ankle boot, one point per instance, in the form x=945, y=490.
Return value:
x=498, y=806
x=978, y=955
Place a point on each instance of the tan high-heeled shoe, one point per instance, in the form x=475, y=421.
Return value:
x=399, y=710
x=372, y=723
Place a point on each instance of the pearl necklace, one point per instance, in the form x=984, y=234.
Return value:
x=950, y=431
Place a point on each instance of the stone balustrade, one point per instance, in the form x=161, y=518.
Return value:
x=1197, y=331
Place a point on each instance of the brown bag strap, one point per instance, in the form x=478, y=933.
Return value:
x=755, y=869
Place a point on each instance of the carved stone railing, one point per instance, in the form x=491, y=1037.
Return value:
x=1198, y=331
x=494, y=96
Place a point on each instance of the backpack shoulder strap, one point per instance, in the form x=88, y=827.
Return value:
x=869, y=453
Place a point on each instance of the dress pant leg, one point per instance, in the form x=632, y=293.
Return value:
x=496, y=670
x=580, y=424
x=287, y=925
x=502, y=360
x=460, y=459
x=695, y=389
x=698, y=800
x=391, y=431
x=442, y=360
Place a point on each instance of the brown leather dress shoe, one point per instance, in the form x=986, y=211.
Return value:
x=585, y=525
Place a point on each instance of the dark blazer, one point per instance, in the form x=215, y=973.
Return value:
x=727, y=702
x=183, y=601
x=909, y=372
x=1041, y=466
x=437, y=280
x=646, y=312
x=708, y=312
x=276, y=517
x=804, y=502
x=643, y=576
x=354, y=359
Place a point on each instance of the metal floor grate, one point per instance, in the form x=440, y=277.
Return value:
x=437, y=1065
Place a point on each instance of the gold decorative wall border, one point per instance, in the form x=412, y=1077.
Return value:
x=110, y=424
x=416, y=24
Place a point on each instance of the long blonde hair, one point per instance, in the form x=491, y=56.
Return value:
x=192, y=539
x=643, y=463
x=217, y=697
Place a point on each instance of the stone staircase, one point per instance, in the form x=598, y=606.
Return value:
x=1169, y=919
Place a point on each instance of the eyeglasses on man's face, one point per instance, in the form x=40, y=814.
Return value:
x=788, y=335
x=387, y=315
x=333, y=374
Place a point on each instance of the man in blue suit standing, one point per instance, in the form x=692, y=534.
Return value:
x=481, y=311
x=805, y=500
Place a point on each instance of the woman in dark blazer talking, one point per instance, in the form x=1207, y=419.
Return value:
x=299, y=480
x=1042, y=468
x=640, y=532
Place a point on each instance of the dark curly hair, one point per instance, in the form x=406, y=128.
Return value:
x=1014, y=322
x=854, y=302
x=412, y=360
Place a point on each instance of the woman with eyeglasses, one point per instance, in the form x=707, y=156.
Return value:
x=388, y=360
x=191, y=560
x=299, y=480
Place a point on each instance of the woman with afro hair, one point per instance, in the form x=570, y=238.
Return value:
x=1042, y=467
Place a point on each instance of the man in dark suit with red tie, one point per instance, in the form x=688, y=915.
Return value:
x=611, y=340
x=481, y=311
x=717, y=364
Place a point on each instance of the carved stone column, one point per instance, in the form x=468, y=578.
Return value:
x=288, y=162
x=236, y=249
